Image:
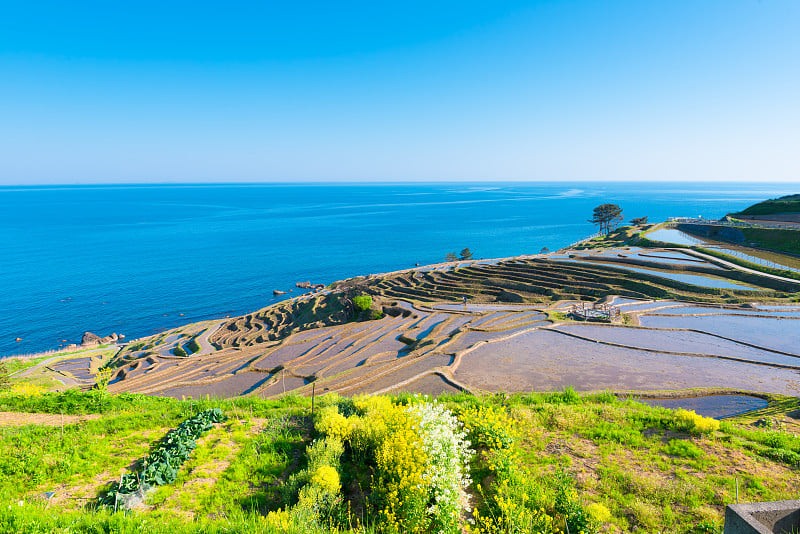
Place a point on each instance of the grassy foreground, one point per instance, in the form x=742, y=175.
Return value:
x=537, y=462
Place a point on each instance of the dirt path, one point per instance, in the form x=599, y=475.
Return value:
x=48, y=419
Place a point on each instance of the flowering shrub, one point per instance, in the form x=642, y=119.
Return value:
x=492, y=430
x=400, y=459
x=321, y=476
x=697, y=424
x=23, y=389
x=487, y=427
x=448, y=453
x=508, y=510
x=418, y=454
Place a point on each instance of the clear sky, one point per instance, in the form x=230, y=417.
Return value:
x=447, y=90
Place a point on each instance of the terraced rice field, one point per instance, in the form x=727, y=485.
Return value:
x=668, y=335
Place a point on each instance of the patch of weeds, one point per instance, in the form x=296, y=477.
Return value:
x=606, y=431
x=683, y=449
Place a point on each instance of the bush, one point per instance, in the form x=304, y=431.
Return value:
x=362, y=303
x=193, y=345
x=417, y=454
x=487, y=427
x=690, y=421
x=178, y=351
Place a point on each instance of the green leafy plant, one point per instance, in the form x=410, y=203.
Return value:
x=161, y=466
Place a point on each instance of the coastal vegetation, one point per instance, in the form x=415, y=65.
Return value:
x=495, y=463
x=774, y=239
x=607, y=217
x=784, y=204
x=465, y=254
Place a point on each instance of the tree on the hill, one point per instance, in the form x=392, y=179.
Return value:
x=451, y=256
x=544, y=250
x=466, y=254
x=639, y=221
x=607, y=217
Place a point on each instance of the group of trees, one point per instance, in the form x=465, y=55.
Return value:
x=465, y=254
x=608, y=217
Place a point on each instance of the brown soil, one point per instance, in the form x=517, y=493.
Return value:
x=21, y=419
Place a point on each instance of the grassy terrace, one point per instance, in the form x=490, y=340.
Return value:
x=787, y=204
x=599, y=463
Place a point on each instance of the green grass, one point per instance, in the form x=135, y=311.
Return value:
x=628, y=458
x=773, y=239
x=786, y=204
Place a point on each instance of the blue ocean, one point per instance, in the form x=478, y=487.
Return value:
x=138, y=259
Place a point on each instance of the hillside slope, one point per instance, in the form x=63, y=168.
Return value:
x=786, y=208
x=537, y=461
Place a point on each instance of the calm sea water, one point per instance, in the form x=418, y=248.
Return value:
x=132, y=259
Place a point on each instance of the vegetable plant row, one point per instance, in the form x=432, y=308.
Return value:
x=161, y=466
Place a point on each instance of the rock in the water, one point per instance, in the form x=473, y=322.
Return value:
x=93, y=339
x=276, y=292
x=109, y=339
x=303, y=285
x=18, y=339
x=90, y=339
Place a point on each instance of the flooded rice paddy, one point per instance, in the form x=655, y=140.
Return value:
x=716, y=406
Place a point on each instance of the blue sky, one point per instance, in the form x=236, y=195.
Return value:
x=419, y=91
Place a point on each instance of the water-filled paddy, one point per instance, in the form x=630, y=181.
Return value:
x=777, y=334
x=670, y=235
x=761, y=257
x=716, y=406
x=694, y=279
x=776, y=261
x=541, y=360
x=677, y=341
x=665, y=257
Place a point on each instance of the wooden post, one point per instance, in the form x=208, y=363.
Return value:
x=313, y=387
x=116, y=494
x=62, y=426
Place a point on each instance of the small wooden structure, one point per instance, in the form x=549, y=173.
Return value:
x=594, y=312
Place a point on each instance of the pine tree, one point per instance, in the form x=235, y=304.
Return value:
x=607, y=216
